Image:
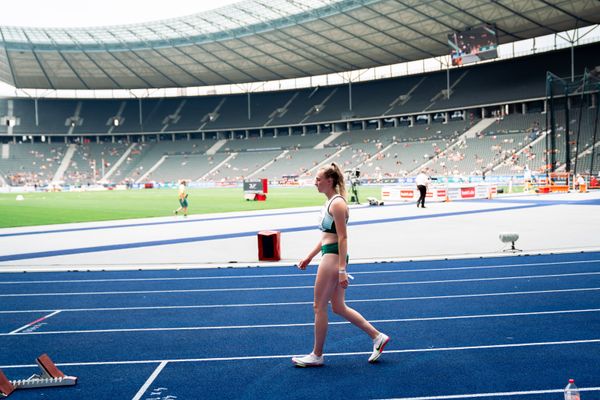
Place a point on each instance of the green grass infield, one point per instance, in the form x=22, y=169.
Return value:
x=45, y=208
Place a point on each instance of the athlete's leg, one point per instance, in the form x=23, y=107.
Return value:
x=327, y=280
x=338, y=305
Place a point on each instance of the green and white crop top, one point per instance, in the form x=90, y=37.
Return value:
x=327, y=224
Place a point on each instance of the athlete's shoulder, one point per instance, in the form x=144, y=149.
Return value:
x=338, y=203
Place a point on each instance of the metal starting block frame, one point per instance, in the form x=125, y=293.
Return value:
x=50, y=376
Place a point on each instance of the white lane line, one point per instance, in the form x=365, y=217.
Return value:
x=345, y=354
x=34, y=322
x=149, y=381
x=267, y=326
x=299, y=287
x=295, y=303
x=493, y=394
x=370, y=272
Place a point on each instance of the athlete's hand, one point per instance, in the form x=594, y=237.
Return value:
x=343, y=279
x=303, y=263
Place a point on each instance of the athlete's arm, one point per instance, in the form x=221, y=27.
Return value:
x=305, y=261
x=339, y=211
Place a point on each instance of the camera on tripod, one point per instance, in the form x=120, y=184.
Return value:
x=353, y=173
x=352, y=177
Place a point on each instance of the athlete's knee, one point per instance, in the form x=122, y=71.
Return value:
x=319, y=307
x=339, y=308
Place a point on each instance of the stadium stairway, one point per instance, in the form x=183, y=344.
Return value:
x=116, y=166
x=215, y=147
x=327, y=160
x=203, y=177
x=152, y=169
x=264, y=167
x=58, y=176
x=469, y=133
x=329, y=139
x=525, y=146
x=374, y=156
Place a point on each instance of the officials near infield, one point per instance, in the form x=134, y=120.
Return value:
x=422, y=180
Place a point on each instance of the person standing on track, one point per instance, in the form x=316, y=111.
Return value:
x=183, y=195
x=332, y=276
x=422, y=181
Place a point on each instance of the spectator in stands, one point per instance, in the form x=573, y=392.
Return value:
x=422, y=180
x=332, y=278
x=183, y=196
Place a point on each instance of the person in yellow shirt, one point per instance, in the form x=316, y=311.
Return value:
x=183, y=195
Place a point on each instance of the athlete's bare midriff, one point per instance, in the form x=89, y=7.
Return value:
x=329, y=238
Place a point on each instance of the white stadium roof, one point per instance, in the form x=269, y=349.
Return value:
x=262, y=40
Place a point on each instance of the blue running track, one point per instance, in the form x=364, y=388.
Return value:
x=492, y=328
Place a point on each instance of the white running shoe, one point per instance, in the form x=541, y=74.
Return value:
x=378, y=344
x=310, y=360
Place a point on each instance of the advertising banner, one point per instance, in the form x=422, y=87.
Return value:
x=439, y=192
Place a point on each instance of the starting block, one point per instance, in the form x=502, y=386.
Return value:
x=50, y=376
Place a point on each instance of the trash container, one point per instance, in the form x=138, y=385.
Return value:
x=269, y=246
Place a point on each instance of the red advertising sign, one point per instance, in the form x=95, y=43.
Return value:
x=407, y=194
x=467, y=192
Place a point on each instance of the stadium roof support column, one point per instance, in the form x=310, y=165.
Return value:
x=37, y=119
x=141, y=115
x=249, y=108
x=350, y=94
x=572, y=40
x=447, y=81
x=572, y=62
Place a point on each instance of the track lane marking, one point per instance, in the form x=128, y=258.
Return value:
x=299, y=287
x=344, y=354
x=301, y=324
x=493, y=394
x=34, y=322
x=370, y=272
x=149, y=381
x=294, y=303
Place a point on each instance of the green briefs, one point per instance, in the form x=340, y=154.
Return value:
x=183, y=203
x=332, y=248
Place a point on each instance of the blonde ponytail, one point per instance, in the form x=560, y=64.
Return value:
x=334, y=172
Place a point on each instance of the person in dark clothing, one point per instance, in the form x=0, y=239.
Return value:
x=422, y=182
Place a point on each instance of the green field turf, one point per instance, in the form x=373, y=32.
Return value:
x=67, y=207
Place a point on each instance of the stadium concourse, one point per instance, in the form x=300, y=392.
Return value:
x=545, y=223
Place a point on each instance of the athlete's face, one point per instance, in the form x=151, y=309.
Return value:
x=322, y=183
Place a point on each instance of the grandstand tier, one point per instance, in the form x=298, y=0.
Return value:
x=395, y=127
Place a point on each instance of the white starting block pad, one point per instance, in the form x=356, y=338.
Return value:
x=453, y=191
x=50, y=376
